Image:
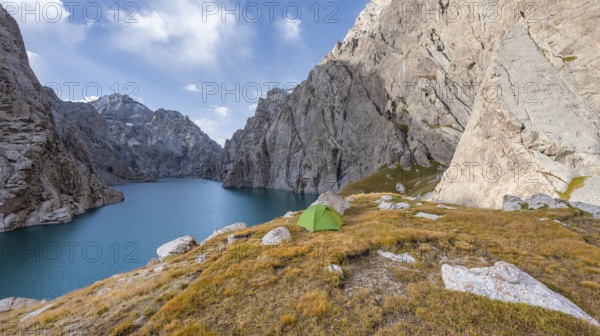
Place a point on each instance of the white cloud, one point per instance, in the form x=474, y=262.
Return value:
x=222, y=111
x=252, y=108
x=289, y=30
x=191, y=88
x=48, y=19
x=35, y=61
x=210, y=127
x=177, y=33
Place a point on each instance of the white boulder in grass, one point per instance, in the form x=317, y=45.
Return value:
x=404, y=258
x=175, y=247
x=335, y=269
x=391, y=206
x=228, y=228
x=428, y=216
x=506, y=282
x=13, y=303
x=276, y=236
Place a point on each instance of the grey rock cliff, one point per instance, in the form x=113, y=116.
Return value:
x=46, y=177
x=536, y=117
x=129, y=142
x=398, y=89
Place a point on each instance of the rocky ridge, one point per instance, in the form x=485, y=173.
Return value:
x=45, y=177
x=129, y=142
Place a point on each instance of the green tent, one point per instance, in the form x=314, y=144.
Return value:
x=320, y=218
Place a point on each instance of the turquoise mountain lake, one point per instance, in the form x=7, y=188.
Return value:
x=45, y=262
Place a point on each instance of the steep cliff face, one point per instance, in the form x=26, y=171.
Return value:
x=129, y=142
x=44, y=178
x=536, y=118
x=399, y=88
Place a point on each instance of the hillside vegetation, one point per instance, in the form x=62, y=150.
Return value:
x=249, y=289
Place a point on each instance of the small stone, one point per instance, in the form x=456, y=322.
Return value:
x=158, y=269
x=201, y=258
x=404, y=258
x=290, y=214
x=400, y=188
x=428, y=216
x=335, y=269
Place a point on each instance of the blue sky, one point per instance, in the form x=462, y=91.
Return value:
x=208, y=60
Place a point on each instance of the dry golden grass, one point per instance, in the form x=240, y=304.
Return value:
x=251, y=289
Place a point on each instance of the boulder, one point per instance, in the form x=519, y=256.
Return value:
x=592, y=209
x=428, y=216
x=404, y=258
x=13, y=303
x=228, y=228
x=175, y=247
x=400, y=188
x=334, y=201
x=541, y=201
x=506, y=282
x=512, y=203
x=275, y=237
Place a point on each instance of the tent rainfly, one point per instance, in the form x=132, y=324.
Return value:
x=320, y=218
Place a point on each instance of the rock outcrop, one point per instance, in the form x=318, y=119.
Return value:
x=17, y=302
x=541, y=201
x=535, y=121
x=45, y=178
x=129, y=142
x=508, y=283
x=391, y=92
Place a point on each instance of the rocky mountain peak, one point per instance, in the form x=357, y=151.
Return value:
x=46, y=175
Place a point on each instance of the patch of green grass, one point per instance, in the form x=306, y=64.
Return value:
x=417, y=180
x=569, y=59
x=576, y=184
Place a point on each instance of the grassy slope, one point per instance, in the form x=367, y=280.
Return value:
x=249, y=289
x=417, y=181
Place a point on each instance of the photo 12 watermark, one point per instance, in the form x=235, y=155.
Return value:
x=69, y=252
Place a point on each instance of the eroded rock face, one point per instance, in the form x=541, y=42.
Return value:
x=535, y=120
x=506, y=282
x=45, y=178
x=390, y=92
x=129, y=142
